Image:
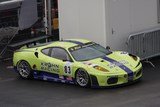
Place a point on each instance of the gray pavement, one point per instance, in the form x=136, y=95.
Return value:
x=17, y=92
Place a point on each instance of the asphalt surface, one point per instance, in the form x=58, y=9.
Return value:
x=17, y=92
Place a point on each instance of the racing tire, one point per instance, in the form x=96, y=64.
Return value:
x=24, y=69
x=82, y=78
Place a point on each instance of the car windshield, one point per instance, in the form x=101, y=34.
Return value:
x=89, y=52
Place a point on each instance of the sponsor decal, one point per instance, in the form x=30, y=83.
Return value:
x=69, y=78
x=89, y=64
x=61, y=77
x=81, y=46
x=75, y=42
x=49, y=67
x=115, y=63
x=75, y=48
x=52, y=77
x=124, y=62
x=47, y=77
x=56, y=79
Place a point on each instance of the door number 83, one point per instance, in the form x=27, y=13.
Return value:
x=67, y=69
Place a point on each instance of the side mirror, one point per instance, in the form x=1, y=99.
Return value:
x=107, y=47
x=36, y=54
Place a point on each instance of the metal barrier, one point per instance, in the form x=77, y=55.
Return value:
x=145, y=44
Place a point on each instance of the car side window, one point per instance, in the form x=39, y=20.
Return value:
x=46, y=51
x=60, y=53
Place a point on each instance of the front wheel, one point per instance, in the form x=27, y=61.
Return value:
x=82, y=78
x=24, y=69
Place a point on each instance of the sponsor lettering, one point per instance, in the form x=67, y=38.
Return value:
x=49, y=67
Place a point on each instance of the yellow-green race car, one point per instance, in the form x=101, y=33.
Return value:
x=77, y=61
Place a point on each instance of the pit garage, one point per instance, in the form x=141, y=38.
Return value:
x=57, y=21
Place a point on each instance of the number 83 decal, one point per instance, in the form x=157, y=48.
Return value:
x=67, y=68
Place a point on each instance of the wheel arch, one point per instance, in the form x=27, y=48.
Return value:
x=90, y=79
x=26, y=69
x=93, y=79
x=21, y=61
x=79, y=69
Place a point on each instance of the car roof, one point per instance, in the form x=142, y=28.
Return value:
x=68, y=43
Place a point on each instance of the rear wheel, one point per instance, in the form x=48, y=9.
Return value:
x=24, y=69
x=82, y=78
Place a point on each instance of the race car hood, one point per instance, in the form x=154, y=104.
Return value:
x=116, y=61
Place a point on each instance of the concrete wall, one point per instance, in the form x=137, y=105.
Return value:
x=108, y=22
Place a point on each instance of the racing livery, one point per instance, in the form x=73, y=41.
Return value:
x=77, y=61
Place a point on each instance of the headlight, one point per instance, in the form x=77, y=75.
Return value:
x=133, y=57
x=100, y=68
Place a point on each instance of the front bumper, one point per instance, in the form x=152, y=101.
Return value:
x=114, y=80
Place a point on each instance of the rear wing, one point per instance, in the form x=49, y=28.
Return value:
x=30, y=42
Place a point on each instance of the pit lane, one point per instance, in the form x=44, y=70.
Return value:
x=17, y=92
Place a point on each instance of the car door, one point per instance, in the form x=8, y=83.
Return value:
x=48, y=63
x=56, y=60
x=61, y=58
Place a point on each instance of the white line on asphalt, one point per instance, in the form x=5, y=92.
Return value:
x=10, y=67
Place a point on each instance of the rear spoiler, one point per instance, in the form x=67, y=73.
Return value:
x=30, y=42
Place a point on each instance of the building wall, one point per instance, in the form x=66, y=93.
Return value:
x=108, y=22
x=82, y=19
x=126, y=17
x=143, y=14
x=118, y=14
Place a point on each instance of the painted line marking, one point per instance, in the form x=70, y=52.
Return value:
x=10, y=67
